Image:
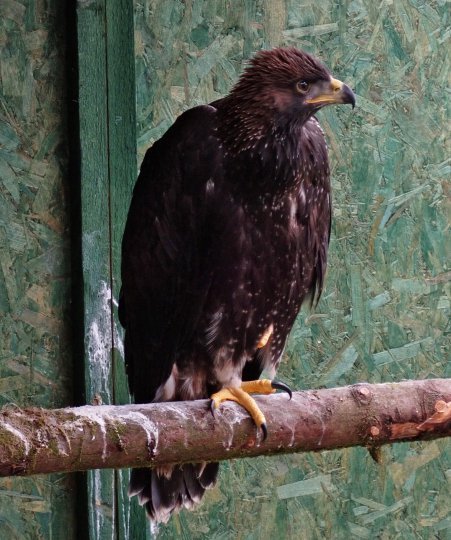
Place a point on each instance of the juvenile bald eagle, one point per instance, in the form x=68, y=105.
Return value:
x=226, y=236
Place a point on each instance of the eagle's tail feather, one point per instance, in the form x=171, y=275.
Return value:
x=162, y=491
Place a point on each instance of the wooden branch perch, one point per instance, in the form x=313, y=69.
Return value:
x=36, y=441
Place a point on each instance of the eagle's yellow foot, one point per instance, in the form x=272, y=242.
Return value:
x=241, y=396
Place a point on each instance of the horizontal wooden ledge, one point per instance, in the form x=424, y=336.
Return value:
x=37, y=441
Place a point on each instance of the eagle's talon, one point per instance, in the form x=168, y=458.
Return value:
x=277, y=385
x=264, y=431
x=242, y=397
x=212, y=407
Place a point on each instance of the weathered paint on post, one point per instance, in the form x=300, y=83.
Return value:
x=108, y=172
x=95, y=243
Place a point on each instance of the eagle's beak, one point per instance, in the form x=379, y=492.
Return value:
x=333, y=92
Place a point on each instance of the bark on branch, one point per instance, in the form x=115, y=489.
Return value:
x=36, y=441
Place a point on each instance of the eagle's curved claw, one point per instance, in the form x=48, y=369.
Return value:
x=264, y=431
x=282, y=386
x=212, y=407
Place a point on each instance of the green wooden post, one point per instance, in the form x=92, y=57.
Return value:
x=131, y=520
x=93, y=112
x=108, y=172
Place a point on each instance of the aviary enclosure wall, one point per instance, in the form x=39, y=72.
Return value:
x=384, y=312
x=35, y=259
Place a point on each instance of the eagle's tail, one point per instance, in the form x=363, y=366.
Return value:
x=163, y=490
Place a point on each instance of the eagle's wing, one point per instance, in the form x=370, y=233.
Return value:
x=165, y=275
x=312, y=232
x=317, y=195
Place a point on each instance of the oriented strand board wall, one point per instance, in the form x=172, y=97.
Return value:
x=35, y=361
x=384, y=312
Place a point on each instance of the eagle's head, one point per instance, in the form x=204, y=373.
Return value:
x=286, y=85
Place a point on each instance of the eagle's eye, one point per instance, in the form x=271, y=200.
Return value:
x=302, y=87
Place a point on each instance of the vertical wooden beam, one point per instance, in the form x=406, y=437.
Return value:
x=108, y=172
x=130, y=518
x=95, y=244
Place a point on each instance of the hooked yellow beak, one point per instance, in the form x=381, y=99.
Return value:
x=333, y=92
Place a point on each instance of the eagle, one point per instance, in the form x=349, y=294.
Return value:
x=226, y=236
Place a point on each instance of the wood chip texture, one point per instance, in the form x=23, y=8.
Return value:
x=35, y=352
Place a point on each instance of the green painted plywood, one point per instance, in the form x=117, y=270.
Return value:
x=385, y=309
x=35, y=322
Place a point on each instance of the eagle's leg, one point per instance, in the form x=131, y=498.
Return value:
x=242, y=396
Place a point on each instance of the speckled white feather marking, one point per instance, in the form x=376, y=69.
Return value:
x=211, y=332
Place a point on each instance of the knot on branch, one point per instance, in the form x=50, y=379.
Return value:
x=362, y=393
